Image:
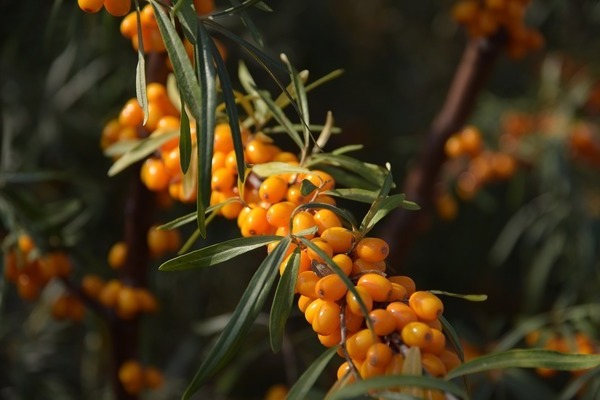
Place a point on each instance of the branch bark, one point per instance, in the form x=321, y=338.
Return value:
x=403, y=226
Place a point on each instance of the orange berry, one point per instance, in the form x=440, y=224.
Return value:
x=131, y=114
x=153, y=378
x=147, y=301
x=155, y=175
x=426, y=305
x=378, y=287
x=326, y=199
x=372, y=249
x=352, y=302
x=321, y=179
x=327, y=319
x=303, y=221
x=503, y=165
x=218, y=161
x=399, y=293
x=231, y=210
x=223, y=138
x=453, y=147
x=344, y=262
x=60, y=308
x=155, y=114
x=416, y=334
x=75, y=309
x=438, y=342
x=383, y=322
x=259, y=152
x=325, y=219
x=354, y=322
x=92, y=285
x=406, y=281
x=294, y=195
x=304, y=302
x=25, y=243
x=465, y=11
x=243, y=215
x=360, y=266
x=131, y=376
x=368, y=371
x=470, y=139
x=279, y=214
x=231, y=162
x=110, y=293
x=450, y=359
x=379, y=355
x=312, y=310
x=325, y=248
x=117, y=8
x=402, y=313
x=117, y=255
x=331, y=288
x=340, y=239
x=127, y=302
x=204, y=7
x=343, y=370
x=432, y=364
x=306, y=283
x=256, y=223
x=395, y=365
x=358, y=344
x=90, y=6
x=222, y=180
x=158, y=241
x=273, y=189
x=28, y=288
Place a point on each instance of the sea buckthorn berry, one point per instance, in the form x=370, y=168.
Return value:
x=222, y=179
x=344, y=262
x=383, y=322
x=326, y=199
x=332, y=339
x=340, y=239
x=450, y=359
x=331, y=288
x=325, y=219
x=256, y=223
x=279, y=214
x=358, y=344
x=153, y=378
x=127, y=302
x=171, y=161
x=131, y=375
x=503, y=165
x=312, y=310
x=470, y=139
x=243, y=215
x=438, y=342
x=372, y=249
x=379, y=355
x=395, y=365
x=231, y=210
x=27, y=287
x=117, y=255
x=368, y=371
x=204, y=7
x=353, y=304
x=435, y=324
x=110, y=133
x=402, y=313
x=427, y=305
x=60, y=308
x=343, y=370
x=321, y=179
x=75, y=309
x=282, y=231
x=155, y=113
x=432, y=364
x=251, y=196
x=117, y=8
x=223, y=138
x=131, y=114
x=306, y=282
x=273, y=189
x=158, y=241
x=147, y=301
x=416, y=334
x=327, y=319
x=360, y=266
x=25, y=243
x=303, y=221
x=294, y=194
x=90, y=6
x=286, y=157
x=453, y=147
x=110, y=293
x=304, y=302
x=354, y=322
x=323, y=246
x=128, y=133
x=399, y=293
x=405, y=281
x=92, y=285
x=155, y=175
x=218, y=161
x=231, y=162
x=258, y=152
x=376, y=285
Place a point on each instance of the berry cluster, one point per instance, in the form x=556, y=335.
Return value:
x=484, y=18
x=135, y=377
x=160, y=242
x=30, y=271
x=116, y=8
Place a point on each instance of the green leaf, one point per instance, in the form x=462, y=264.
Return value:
x=301, y=102
x=232, y=112
x=452, y=337
x=236, y=9
x=185, y=140
x=530, y=358
x=307, y=187
x=310, y=376
x=248, y=308
x=355, y=194
x=248, y=23
x=389, y=382
x=283, y=301
x=276, y=167
x=372, y=173
x=469, y=297
x=216, y=253
x=281, y=118
x=141, y=150
x=347, y=149
x=140, y=70
x=182, y=67
x=410, y=205
x=249, y=86
x=381, y=207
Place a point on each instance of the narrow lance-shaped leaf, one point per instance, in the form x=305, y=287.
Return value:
x=232, y=112
x=185, y=140
x=452, y=337
x=216, y=253
x=530, y=358
x=380, y=383
x=248, y=308
x=281, y=118
x=381, y=207
x=355, y=194
x=276, y=167
x=310, y=376
x=302, y=103
x=141, y=150
x=248, y=23
x=205, y=133
x=140, y=71
x=283, y=301
x=236, y=9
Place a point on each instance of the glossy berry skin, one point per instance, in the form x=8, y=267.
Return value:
x=402, y=314
x=372, y=249
x=117, y=8
x=379, y=355
x=353, y=304
x=273, y=189
x=417, y=334
x=376, y=285
x=426, y=305
x=327, y=319
x=358, y=344
x=383, y=322
x=90, y=6
x=331, y=288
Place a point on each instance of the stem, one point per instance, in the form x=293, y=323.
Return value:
x=403, y=226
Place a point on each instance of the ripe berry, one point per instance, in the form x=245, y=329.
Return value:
x=358, y=344
x=331, y=288
x=372, y=249
x=131, y=114
x=223, y=138
x=432, y=364
x=90, y=6
x=376, y=285
x=256, y=223
x=340, y=239
x=28, y=288
x=92, y=285
x=327, y=319
x=450, y=359
x=344, y=262
x=323, y=246
x=405, y=281
x=325, y=219
x=153, y=378
x=155, y=175
x=303, y=221
x=416, y=334
x=312, y=310
x=402, y=313
x=279, y=214
x=332, y=339
x=131, y=376
x=383, y=322
x=353, y=304
x=117, y=255
x=304, y=302
x=273, y=189
x=426, y=305
x=379, y=355
x=306, y=282
x=395, y=365
x=117, y=8
x=438, y=342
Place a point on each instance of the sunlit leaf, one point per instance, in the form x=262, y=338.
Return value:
x=344, y=214
x=141, y=150
x=529, y=358
x=360, y=195
x=276, y=167
x=283, y=301
x=325, y=133
x=370, y=172
x=347, y=149
x=140, y=70
x=301, y=101
x=381, y=207
x=387, y=382
x=185, y=140
x=216, y=253
x=310, y=375
x=469, y=297
x=248, y=308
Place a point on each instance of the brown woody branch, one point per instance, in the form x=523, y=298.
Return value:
x=403, y=226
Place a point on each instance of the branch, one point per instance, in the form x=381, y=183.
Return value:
x=403, y=226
